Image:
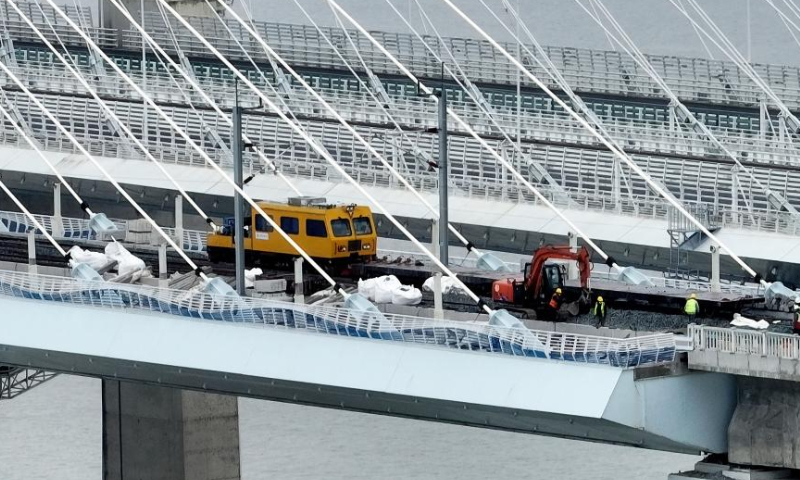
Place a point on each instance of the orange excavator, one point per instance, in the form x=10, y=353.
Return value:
x=542, y=277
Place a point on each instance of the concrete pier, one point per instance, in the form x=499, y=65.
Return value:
x=716, y=467
x=160, y=433
x=765, y=428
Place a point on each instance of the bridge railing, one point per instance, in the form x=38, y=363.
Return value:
x=78, y=229
x=549, y=126
x=476, y=337
x=745, y=342
x=607, y=72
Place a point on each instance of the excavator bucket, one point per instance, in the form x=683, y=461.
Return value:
x=581, y=305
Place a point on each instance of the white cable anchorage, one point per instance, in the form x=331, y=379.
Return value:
x=623, y=156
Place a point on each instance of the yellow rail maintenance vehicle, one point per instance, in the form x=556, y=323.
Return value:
x=333, y=234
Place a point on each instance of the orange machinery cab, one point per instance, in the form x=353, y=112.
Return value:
x=325, y=232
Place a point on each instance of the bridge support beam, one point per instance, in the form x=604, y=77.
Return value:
x=162, y=433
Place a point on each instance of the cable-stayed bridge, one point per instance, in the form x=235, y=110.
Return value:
x=523, y=170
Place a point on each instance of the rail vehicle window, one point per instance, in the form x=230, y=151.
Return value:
x=362, y=225
x=290, y=225
x=341, y=228
x=316, y=228
x=262, y=225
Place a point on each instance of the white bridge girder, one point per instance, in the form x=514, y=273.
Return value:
x=657, y=409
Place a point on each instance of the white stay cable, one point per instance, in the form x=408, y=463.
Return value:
x=336, y=114
x=551, y=69
x=341, y=119
x=697, y=32
x=787, y=22
x=324, y=154
x=197, y=148
x=623, y=156
x=13, y=198
x=733, y=54
x=633, y=50
x=609, y=260
x=108, y=111
x=206, y=98
x=467, y=244
x=105, y=173
x=253, y=63
x=469, y=88
x=362, y=84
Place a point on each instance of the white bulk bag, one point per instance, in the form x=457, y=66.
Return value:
x=384, y=286
x=126, y=261
x=406, y=295
x=96, y=260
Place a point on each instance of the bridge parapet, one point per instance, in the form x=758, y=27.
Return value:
x=480, y=337
x=745, y=352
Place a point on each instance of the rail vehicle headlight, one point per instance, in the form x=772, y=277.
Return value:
x=342, y=248
x=366, y=246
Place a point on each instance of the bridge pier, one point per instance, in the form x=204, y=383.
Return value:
x=161, y=433
x=764, y=428
x=717, y=467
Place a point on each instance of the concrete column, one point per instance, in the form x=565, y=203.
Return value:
x=715, y=287
x=32, y=252
x=163, y=274
x=764, y=428
x=299, y=295
x=179, y=219
x=160, y=433
x=438, y=310
x=572, y=268
x=58, y=223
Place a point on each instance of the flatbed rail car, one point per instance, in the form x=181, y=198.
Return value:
x=334, y=234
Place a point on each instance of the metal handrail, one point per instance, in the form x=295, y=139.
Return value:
x=607, y=72
x=549, y=126
x=478, y=337
x=745, y=342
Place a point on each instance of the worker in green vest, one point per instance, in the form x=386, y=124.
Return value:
x=692, y=308
x=599, y=312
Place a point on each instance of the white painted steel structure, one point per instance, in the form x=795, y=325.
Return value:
x=585, y=174
x=420, y=380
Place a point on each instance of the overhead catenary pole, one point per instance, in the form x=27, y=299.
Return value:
x=238, y=206
x=444, y=253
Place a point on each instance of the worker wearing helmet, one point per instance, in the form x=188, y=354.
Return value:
x=692, y=307
x=599, y=311
x=555, y=303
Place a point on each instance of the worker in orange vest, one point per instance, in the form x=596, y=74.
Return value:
x=555, y=303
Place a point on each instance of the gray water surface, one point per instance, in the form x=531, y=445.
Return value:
x=54, y=432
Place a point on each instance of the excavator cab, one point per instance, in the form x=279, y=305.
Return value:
x=553, y=275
